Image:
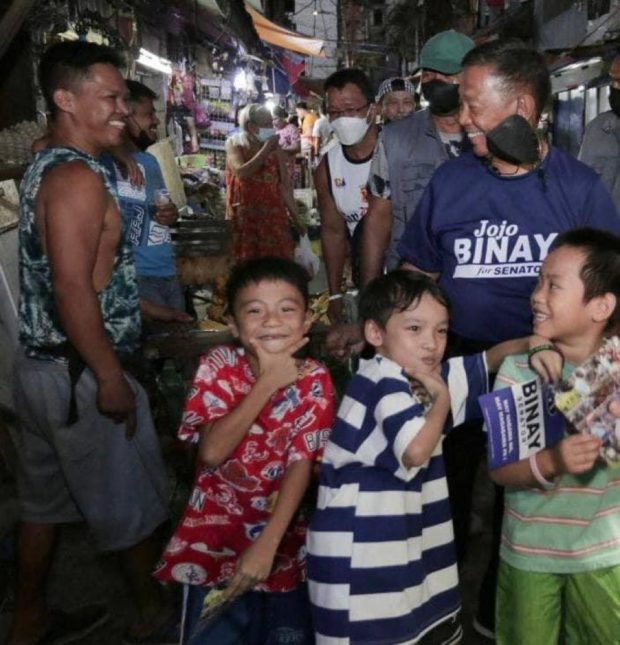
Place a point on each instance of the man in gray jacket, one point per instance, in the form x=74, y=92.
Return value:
x=600, y=148
x=411, y=149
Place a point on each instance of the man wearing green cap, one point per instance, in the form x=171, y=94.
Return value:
x=411, y=149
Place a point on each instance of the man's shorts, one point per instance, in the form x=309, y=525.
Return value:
x=534, y=607
x=87, y=471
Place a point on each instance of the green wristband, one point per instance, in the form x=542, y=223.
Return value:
x=547, y=347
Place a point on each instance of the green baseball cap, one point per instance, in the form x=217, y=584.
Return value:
x=444, y=52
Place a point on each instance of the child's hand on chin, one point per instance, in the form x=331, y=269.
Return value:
x=431, y=381
x=281, y=368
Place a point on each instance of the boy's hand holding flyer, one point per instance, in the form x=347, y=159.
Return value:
x=585, y=396
x=527, y=417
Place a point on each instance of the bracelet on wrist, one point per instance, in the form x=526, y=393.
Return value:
x=545, y=347
x=538, y=476
x=335, y=296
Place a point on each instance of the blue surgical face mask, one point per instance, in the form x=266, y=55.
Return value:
x=264, y=134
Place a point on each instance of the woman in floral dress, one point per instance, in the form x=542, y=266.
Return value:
x=259, y=195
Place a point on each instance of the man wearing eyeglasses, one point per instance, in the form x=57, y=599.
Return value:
x=146, y=212
x=341, y=177
x=410, y=150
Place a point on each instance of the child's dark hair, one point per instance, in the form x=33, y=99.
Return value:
x=267, y=268
x=394, y=292
x=138, y=91
x=600, y=272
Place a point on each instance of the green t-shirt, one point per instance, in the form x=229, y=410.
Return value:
x=574, y=527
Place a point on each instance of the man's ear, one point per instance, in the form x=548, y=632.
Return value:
x=64, y=99
x=603, y=307
x=526, y=107
x=373, y=333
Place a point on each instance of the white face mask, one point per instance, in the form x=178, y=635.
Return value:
x=350, y=129
x=264, y=134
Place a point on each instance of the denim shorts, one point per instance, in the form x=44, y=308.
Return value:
x=256, y=618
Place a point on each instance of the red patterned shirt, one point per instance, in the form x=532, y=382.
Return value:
x=230, y=505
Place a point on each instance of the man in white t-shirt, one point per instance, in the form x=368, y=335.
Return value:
x=341, y=176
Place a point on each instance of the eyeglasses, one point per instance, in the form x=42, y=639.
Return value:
x=336, y=114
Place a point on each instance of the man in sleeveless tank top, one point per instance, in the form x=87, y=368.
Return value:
x=85, y=439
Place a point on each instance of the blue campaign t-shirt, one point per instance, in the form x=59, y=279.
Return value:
x=487, y=235
x=151, y=243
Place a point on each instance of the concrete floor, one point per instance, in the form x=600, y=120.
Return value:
x=79, y=577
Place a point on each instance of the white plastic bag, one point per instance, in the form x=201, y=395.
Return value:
x=305, y=256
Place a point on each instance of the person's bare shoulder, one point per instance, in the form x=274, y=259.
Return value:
x=76, y=185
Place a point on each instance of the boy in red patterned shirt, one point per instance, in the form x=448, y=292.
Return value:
x=261, y=418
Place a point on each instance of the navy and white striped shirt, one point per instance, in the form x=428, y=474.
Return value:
x=381, y=562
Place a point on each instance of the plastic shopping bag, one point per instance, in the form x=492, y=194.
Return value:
x=306, y=257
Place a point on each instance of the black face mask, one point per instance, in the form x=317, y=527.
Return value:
x=143, y=141
x=443, y=97
x=614, y=100
x=514, y=140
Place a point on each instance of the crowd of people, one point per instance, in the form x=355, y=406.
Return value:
x=478, y=247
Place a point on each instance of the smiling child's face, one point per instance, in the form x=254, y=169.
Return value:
x=271, y=313
x=560, y=310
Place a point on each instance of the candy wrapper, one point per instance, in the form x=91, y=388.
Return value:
x=584, y=398
x=214, y=603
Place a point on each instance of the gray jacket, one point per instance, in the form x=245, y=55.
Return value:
x=600, y=149
x=414, y=151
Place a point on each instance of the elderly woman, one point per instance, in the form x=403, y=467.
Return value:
x=259, y=196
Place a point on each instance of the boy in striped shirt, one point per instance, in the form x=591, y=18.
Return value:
x=560, y=552
x=381, y=560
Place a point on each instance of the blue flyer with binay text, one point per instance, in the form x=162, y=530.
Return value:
x=520, y=420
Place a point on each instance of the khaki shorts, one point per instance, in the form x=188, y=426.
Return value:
x=87, y=471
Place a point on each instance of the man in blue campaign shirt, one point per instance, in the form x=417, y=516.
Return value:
x=146, y=221
x=486, y=235
x=484, y=225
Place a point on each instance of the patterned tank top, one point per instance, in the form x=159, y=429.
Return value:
x=39, y=326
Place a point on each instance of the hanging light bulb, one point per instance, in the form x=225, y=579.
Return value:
x=241, y=80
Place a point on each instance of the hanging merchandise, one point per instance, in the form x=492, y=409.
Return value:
x=216, y=102
x=182, y=110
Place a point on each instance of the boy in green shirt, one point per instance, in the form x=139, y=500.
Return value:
x=560, y=552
